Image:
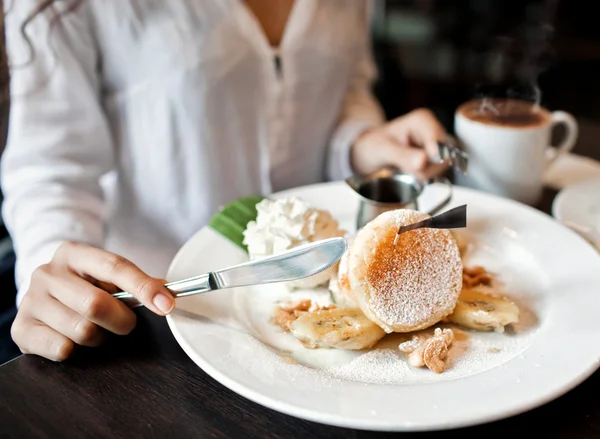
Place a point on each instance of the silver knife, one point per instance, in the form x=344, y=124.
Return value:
x=297, y=263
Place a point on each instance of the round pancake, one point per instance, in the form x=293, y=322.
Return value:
x=408, y=286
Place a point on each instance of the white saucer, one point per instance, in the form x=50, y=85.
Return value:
x=578, y=207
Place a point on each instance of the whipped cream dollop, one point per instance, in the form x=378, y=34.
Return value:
x=287, y=223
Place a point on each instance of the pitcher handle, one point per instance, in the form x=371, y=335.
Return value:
x=444, y=201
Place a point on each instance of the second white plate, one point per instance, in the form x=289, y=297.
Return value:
x=578, y=207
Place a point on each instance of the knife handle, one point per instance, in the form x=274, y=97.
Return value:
x=182, y=288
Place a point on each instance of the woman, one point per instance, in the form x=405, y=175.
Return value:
x=132, y=121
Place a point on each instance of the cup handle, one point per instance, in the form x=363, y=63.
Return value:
x=446, y=200
x=567, y=144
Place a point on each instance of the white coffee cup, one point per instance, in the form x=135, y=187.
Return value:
x=508, y=142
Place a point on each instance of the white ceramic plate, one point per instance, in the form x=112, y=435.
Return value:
x=548, y=269
x=578, y=207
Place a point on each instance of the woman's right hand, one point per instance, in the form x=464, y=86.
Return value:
x=69, y=302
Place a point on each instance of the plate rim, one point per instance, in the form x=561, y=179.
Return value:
x=374, y=425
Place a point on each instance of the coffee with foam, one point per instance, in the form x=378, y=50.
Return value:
x=510, y=113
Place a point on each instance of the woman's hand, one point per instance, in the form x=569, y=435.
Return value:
x=408, y=143
x=69, y=302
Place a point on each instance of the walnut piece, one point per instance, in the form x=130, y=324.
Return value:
x=475, y=276
x=429, y=351
x=303, y=305
x=434, y=354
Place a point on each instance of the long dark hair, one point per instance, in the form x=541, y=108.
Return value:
x=43, y=6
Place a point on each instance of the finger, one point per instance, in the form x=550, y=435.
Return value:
x=114, y=269
x=433, y=170
x=390, y=151
x=92, y=303
x=33, y=337
x=433, y=151
x=67, y=322
x=106, y=286
x=429, y=142
x=408, y=159
x=426, y=131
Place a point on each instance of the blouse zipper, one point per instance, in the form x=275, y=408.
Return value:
x=276, y=109
x=278, y=67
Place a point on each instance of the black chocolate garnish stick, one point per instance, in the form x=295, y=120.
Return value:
x=452, y=219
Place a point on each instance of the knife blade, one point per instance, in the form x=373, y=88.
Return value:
x=298, y=263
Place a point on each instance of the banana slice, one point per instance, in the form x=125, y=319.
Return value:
x=341, y=328
x=482, y=311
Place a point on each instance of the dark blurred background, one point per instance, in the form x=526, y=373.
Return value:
x=440, y=53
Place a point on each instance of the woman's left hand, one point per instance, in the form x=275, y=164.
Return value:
x=408, y=143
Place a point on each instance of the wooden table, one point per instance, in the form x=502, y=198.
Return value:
x=144, y=386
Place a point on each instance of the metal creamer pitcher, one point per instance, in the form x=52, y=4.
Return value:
x=389, y=189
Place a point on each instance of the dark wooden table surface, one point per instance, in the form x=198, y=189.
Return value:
x=144, y=386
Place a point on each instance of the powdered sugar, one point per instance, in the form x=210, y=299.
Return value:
x=423, y=279
x=420, y=272
x=380, y=366
x=408, y=285
x=471, y=353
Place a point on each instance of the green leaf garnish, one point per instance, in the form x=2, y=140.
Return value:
x=233, y=219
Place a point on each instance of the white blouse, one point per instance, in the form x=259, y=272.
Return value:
x=134, y=120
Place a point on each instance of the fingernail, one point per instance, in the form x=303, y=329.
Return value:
x=163, y=302
x=436, y=158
